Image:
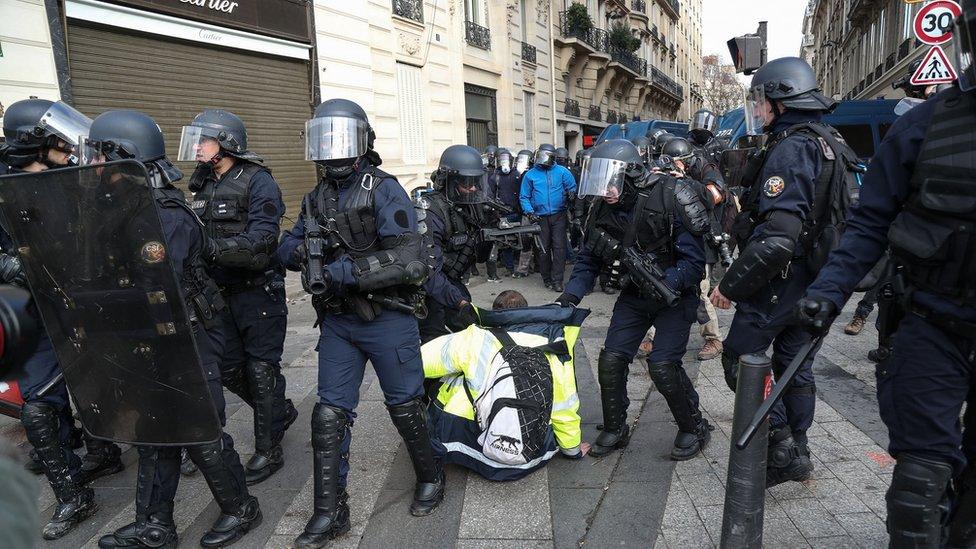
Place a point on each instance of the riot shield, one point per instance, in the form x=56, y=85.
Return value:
x=95, y=255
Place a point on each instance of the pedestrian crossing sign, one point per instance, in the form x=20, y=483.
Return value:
x=935, y=69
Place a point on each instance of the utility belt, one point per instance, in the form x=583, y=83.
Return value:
x=901, y=294
x=266, y=280
x=204, y=303
x=962, y=329
x=368, y=306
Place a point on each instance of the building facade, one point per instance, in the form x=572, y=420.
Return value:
x=603, y=79
x=430, y=73
x=859, y=47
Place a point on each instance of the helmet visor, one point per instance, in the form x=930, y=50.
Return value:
x=964, y=34
x=545, y=158
x=467, y=189
x=505, y=162
x=757, y=106
x=335, y=138
x=602, y=177
x=65, y=122
x=703, y=120
x=195, y=146
x=523, y=162
x=99, y=152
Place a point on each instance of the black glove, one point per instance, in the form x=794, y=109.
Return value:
x=300, y=254
x=567, y=300
x=815, y=315
x=604, y=246
x=12, y=271
x=533, y=218
x=467, y=315
x=617, y=274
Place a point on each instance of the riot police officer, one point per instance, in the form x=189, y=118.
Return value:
x=659, y=263
x=644, y=149
x=363, y=259
x=119, y=135
x=503, y=187
x=40, y=135
x=562, y=156
x=917, y=198
x=781, y=248
x=702, y=127
x=240, y=204
x=454, y=215
x=489, y=157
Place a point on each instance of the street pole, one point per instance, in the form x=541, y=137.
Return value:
x=742, y=519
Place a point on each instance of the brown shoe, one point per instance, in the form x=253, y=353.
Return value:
x=856, y=325
x=710, y=350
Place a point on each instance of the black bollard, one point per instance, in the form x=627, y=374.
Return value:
x=742, y=518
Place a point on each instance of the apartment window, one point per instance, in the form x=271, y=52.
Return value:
x=907, y=20
x=482, y=116
x=524, y=9
x=410, y=98
x=474, y=12
x=882, y=43
x=528, y=101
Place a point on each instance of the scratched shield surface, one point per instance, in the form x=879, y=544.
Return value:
x=96, y=257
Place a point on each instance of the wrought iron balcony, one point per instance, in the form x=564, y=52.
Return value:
x=665, y=83
x=654, y=34
x=611, y=116
x=890, y=61
x=528, y=53
x=477, y=36
x=595, y=113
x=597, y=39
x=621, y=118
x=638, y=6
x=878, y=71
x=904, y=48
x=410, y=9
x=629, y=60
x=672, y=8
x=572, y=108
x=672, y=50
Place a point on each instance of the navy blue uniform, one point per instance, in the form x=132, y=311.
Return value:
x=929, y=375
x=788, y=179
x=390, y=342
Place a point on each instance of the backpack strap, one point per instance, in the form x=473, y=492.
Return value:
x=556, y=347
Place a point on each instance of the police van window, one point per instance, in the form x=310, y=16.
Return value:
x=883, y=130
x=859, y=138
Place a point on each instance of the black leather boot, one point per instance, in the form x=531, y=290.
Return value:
x=694, y=432
x=962, y=528
x=157, y=531
x=330, y=518
x=786, y=460
x=612, y=370
x=268, y=457
x=75, y=501
x=240, y=511
x=410, y=420
x=103, y=459
x=917, y=502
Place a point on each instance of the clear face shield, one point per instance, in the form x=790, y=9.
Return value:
x=335, y=138
x=964, y=34
x=523, y=162
x=758, y=110
x=545, y=158
x=704, y=121
x=69, y=126
x=99, y=152
x=505, y=163
x=603, y=177
x=467, y=189
x=195, y=146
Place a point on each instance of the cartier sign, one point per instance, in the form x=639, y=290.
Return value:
x=286, y=19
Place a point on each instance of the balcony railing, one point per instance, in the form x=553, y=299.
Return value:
x=621, y=118
x=665, y=82
x=410, y=9
x=870, y=78
x=595, y=113
x=654, y=34
x=878, y=71
x=477, y=36
x=904, y=48
x=638, y=6
x=629, y=60
x=528, y=53
x=611, y=116
x=673, y=7
x=672, y=50
x=572, y=108
x=597, y=39
x=890, y=61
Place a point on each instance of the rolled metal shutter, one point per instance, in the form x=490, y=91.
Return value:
x=173, y=80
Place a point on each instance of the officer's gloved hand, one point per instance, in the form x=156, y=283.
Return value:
x=567, y=300
x=12, y=271
x=300, y=254
x=533, y=218
x=815, y=315
x=467, y=315
x=605, y=247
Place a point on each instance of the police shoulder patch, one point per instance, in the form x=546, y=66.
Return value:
x=153, y=252
x=774, y=186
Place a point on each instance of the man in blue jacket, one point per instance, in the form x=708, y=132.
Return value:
x=543, y=196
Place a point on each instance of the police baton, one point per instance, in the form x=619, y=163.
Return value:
x=785, y=380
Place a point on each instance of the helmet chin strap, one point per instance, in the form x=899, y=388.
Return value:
x=215, y=159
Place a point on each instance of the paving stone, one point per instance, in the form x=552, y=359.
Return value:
x=620, y=523
x=711, y=515
x=687, y=538
x=834, y=542
x=680, y=511
x=509, y=510
x=866, y=528
x=876, y=502
x=781, y=533
x=812, y=519
x=789, y=491
x=857, y=476
x=824, y=413
x=846, y=433
x=501, y=544
x=836, y=497
x=704, y=489
x=829, y=450
x=572, y=510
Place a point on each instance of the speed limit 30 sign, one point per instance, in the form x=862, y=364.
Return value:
x=933, y=23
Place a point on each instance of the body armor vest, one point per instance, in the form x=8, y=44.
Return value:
x=933, y=239
x=460, y=237
x=223, y=206
x=655, y=212
x=203, y=299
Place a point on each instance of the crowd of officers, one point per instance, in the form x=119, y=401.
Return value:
x=649, y=216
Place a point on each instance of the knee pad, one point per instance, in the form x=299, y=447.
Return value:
x=612, y=368
x=917, y=501
x=261, y=376
x=328, y=426
x=36, y=416
x=730, y=366
x=665, y=376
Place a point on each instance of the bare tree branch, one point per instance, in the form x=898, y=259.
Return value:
x=721, y=90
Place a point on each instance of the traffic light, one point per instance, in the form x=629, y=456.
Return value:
x=749, y=51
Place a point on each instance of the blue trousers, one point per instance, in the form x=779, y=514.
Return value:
x=391, y=343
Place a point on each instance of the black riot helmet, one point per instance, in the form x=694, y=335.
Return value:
x=644, y=147
x=504, y=160
x=488, y=157
x=562, y=156
x=702, y=127
x=965, y=35
x=32, y=127
x=337, y=136
x=612, y=169
x=21, y=123
x=461, y=175
x=789, y=81
x=678, y=148
x=224, y=128
x=122, y=135
x=579, y=157
x=524, y=160
x=905, y=82
x=661, y=141
x=545, y=156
